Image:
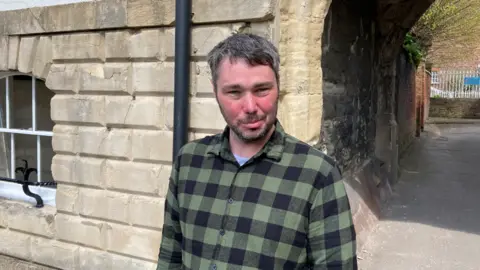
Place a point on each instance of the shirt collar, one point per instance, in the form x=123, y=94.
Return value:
x=273, y=149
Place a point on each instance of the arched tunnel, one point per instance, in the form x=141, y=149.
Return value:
x=361, y=56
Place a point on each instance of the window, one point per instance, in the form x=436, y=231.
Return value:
x=25, y=136
x=435, y=77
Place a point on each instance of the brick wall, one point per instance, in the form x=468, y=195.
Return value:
x=454, y=108
x=113, y=115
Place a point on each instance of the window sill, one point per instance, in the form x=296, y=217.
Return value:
x=12, y=191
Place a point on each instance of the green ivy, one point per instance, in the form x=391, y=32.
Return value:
x=413, y=49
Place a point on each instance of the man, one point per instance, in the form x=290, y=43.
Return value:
x=254, y=197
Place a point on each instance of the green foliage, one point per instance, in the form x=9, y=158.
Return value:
x=449, y=31
x=413, y=49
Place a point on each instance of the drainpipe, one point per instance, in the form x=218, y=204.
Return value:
x=183, y=15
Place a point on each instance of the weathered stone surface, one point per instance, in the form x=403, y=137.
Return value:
x=83, y=171
x=65, y=139
x=4, y=52
x=150, y=178
x=301, y=114
x=110, y=77
x=85, y=109
x=67, y=198
x=141, y=111
x=137, y=242
x=117, y=44
x=221, y=10
x=62, y=77
x=81, y=46
x=144, y=211
x=81, y=231
x=201, y=81
x=43, y=57
x=111, y=14
x=146, y=146
x=15, y=244
x=152, y=77
x=13, y=46
x=26, y=56
x=54, y=253
x=150, y=12
x=9, y=263
x=204, y=114
x=101, y=141
x=104, y=204
x=23, y=217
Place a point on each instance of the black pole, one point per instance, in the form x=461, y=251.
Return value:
x=183, y=11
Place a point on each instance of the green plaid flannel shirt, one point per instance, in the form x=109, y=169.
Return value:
x=286, y=208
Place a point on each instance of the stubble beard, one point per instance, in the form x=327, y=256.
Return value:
x=258, y=135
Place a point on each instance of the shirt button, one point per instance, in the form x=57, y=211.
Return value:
x=222, y=232
x=230, y=201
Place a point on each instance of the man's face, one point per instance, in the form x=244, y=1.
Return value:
x=248, y=97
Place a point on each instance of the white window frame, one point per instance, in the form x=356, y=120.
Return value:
x=14, y=191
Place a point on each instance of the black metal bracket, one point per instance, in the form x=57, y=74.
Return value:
x=26, y=183
x=26, y=189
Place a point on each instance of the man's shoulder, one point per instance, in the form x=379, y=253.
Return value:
x=200, y=146
x=309, y=156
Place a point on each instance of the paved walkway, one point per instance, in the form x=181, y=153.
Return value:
x=433, y=218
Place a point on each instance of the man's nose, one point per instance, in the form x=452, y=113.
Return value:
x=250, y=104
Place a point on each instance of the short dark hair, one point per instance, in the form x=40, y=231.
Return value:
x=256, y=50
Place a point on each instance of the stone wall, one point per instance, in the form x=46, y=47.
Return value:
x=113, y=115
x=406, y=103
x=454, y=108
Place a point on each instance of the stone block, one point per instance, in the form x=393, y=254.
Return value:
x=204, y=38
x=13, y=47
x=146, y=112
x=26, y=56
x=23, y=217
x=150, y=178
x=117, y=44
x=122, y=262
x=63, y=78
x=300, y=114
x=15, y=244
x=141, y=243
x=81, y=231
x=84, y=171
x=111, y=14
x=234, y=10
x=54, y=253
x=152, y=145
x=204, y=114
x=78, y=109
x=110, y=77
x=67, y=198
x=4, y=52
x=150, y=13
x=82, y=46
x=202, y=81
x=43, y=57
x=94, y=259
x=104, y=204
x=65, y=139
x=4, y=213
x=145, y=44
x=101, y=141
x=153, y=77
x=147, y=211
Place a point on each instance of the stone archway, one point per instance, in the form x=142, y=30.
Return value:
x=299, y=28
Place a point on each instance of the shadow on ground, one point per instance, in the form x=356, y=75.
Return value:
x=432, y=220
